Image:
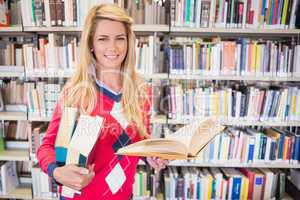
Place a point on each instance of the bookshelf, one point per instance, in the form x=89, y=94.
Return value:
x=21, y=192
x=192, y=163
x=13, y=116
x=77, y=29
x=15, y=155
x=16, y=28
x=232, y=78
x=165, y=30
x=236, y=31
x=162, y=119
x=11, y=71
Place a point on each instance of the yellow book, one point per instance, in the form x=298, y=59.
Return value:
x=244, y=190
x=210, y=180
x=285, y=148
x=185, y=143
x=293, y=105
x=258, y=59
x=253, y=58
x=285, y=8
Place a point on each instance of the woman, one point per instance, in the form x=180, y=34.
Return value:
x=105, y=79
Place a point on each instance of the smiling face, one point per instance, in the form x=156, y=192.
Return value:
x=110, y=44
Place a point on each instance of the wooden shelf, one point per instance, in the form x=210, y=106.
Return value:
x=57, y=74
x=13, y=115
x=162, y=119
x=244, y=123
x=11, y=71
x=15, y=155
x=21, y=192
x=223, y=77
x=229, y=164
x=155, y=76
x=236, y=31
x=136, y=28
x=150, y=28
x=232, y=164
x=52, y=29
x=15, y=28
x=39, y=119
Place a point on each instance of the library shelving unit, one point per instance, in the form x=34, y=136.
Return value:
x=26, y=192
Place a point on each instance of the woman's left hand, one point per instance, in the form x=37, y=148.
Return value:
x=157, y=163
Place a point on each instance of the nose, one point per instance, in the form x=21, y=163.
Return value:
x=112, y=44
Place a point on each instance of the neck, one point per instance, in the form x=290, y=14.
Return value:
x=110, y=78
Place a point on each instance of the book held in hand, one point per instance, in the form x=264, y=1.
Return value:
x=185, y=143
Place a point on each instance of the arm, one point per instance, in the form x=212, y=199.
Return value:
x=46, y=152
x=69, y=175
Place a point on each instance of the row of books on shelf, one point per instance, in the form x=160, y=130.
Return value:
x=14, y=130
x=216, y=183
x=42, y=98
x=233, y=146
x=38, y=98
x=72, y=12
x=224, y=183
x=244, y=103
x=281, y=14
x=215, y=56
x=247, y=57
x=53, y=53
x=43, y=187
x=252, y=146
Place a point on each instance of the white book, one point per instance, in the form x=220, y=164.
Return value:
x=268, y=180
x=9, y=177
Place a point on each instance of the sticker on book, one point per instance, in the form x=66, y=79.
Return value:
x=118, y=115
x=115, y=179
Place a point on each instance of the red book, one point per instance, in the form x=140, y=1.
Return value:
x=250, y=176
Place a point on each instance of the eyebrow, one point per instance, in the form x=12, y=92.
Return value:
x=108, y=35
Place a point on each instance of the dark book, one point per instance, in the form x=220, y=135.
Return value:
x=60, y=12
x=53, y=17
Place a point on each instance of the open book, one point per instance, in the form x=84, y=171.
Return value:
x=185, y=143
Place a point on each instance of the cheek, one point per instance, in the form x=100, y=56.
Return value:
x=123, y=49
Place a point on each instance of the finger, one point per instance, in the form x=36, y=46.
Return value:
x=73, y=186
x=87, y=179
x=91, y=168
x=80, y=170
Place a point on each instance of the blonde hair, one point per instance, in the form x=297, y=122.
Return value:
x=80, y=91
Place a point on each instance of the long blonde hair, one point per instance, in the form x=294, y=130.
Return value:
x=80, y=90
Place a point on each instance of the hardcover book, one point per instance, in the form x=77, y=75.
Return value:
x=185, y=143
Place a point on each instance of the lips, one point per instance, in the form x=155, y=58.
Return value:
x=111, y=57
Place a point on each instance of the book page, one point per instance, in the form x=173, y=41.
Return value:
x=160, y=147
x=203, y=134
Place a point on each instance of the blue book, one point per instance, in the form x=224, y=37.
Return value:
x=280, y=148
x=273, y=150
x=211, y=150
x=236, y=187
x=296, y=150
x=251, y=148
x=263, y=146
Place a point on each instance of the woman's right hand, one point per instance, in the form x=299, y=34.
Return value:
x=73, y=176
